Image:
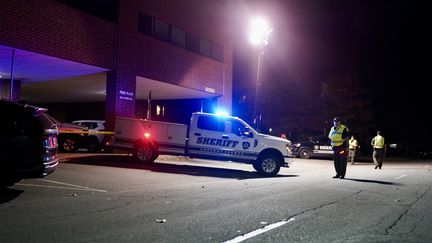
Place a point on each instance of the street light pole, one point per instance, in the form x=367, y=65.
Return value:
x=256, y=114
x=259, y=33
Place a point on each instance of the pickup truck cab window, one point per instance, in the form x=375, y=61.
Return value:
x=211, y=123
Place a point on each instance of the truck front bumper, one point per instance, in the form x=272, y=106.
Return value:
x=287, y=161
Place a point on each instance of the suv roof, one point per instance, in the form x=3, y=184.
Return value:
x=88, y=121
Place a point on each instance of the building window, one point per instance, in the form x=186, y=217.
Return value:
x=178, y=37
x=145, y=24
x=160, y=110
x=216, y=52
x=192, y=43
x=205, y=47
x=162, y=30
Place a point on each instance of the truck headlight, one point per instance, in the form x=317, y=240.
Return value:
x=288, y=148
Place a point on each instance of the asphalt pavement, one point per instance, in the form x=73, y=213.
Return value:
x=111, y=198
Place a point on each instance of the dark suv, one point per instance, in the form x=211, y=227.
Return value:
x=28, y=143
x=315, y=147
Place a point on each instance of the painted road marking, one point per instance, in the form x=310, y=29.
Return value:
x=70, y=186
x=401, y=176
x=259, y=231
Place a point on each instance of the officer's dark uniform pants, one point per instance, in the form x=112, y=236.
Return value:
x=340, y=160
x=378, y=155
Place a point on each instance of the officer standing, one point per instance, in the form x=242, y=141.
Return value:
x=339, y=141
x=353, y=145
x=378, y=145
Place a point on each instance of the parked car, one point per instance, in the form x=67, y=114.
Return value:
x=95, y=139
x=28, y=143
x=315, y=147
x=71, y=136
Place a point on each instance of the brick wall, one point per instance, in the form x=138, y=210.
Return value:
x=52, y=28
x=55, y=29
x=140, y=55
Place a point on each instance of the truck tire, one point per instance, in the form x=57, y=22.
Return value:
x=68, y=144
x=267, y=164
x=145, y=153
x=305, y=153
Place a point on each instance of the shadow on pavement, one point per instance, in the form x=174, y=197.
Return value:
x=196, y=170
x=375, y=181
x=8, y=194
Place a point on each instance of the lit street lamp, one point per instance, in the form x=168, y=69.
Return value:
x=258, y=35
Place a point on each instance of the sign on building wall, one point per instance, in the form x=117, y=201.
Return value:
x=126, y=95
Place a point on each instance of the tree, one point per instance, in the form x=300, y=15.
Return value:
x=301, y=109
x=345, y=95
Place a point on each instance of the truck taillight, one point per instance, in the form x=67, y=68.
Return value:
x=146, y=135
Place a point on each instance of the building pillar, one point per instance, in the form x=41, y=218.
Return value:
x=5, y=89
x=120, y=97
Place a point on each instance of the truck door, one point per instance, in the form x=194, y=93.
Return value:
x=223, y=138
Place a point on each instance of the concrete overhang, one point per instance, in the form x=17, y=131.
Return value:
x=46, y=79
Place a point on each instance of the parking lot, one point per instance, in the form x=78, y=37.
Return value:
x=111, y=198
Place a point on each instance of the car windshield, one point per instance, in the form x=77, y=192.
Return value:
x=52, y=119
x=46, y=120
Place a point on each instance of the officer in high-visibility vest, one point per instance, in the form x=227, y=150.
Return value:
x=353, y=146
x=378, y=145
x=339, y=141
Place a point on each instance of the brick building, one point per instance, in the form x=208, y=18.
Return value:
x=91, y=58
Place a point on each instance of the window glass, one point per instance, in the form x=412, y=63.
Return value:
x=237, y=127
x=211, y=123
x=161, y=30
x=204, y=47
x=145, y=24
x=89, y=125
x=216, y=52
x=178, y=37
x=192, y=42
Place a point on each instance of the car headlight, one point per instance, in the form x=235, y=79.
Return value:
x=297, y=145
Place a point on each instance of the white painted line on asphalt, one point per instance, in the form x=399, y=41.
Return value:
x=258, y=231
x=401, y=176
x=61, y=187
x=74, y=187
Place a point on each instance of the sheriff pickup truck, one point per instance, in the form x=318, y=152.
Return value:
x=209, y=136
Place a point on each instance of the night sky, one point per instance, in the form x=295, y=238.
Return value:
x=387, y=42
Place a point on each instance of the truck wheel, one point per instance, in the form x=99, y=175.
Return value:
x=305, y=154
x=69, y=144
x=145, y=153
x=268, y=164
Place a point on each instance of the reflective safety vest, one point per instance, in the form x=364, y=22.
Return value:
x=353, y=144
x=378, y=141
x=335, y=135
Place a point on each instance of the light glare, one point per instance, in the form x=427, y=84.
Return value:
x=259, y=29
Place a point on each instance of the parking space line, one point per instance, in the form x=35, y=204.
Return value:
x=397, y=178
x=71, y=186
x=61, y=187
x=259, y=231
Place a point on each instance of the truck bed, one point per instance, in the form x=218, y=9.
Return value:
x=171, y=137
